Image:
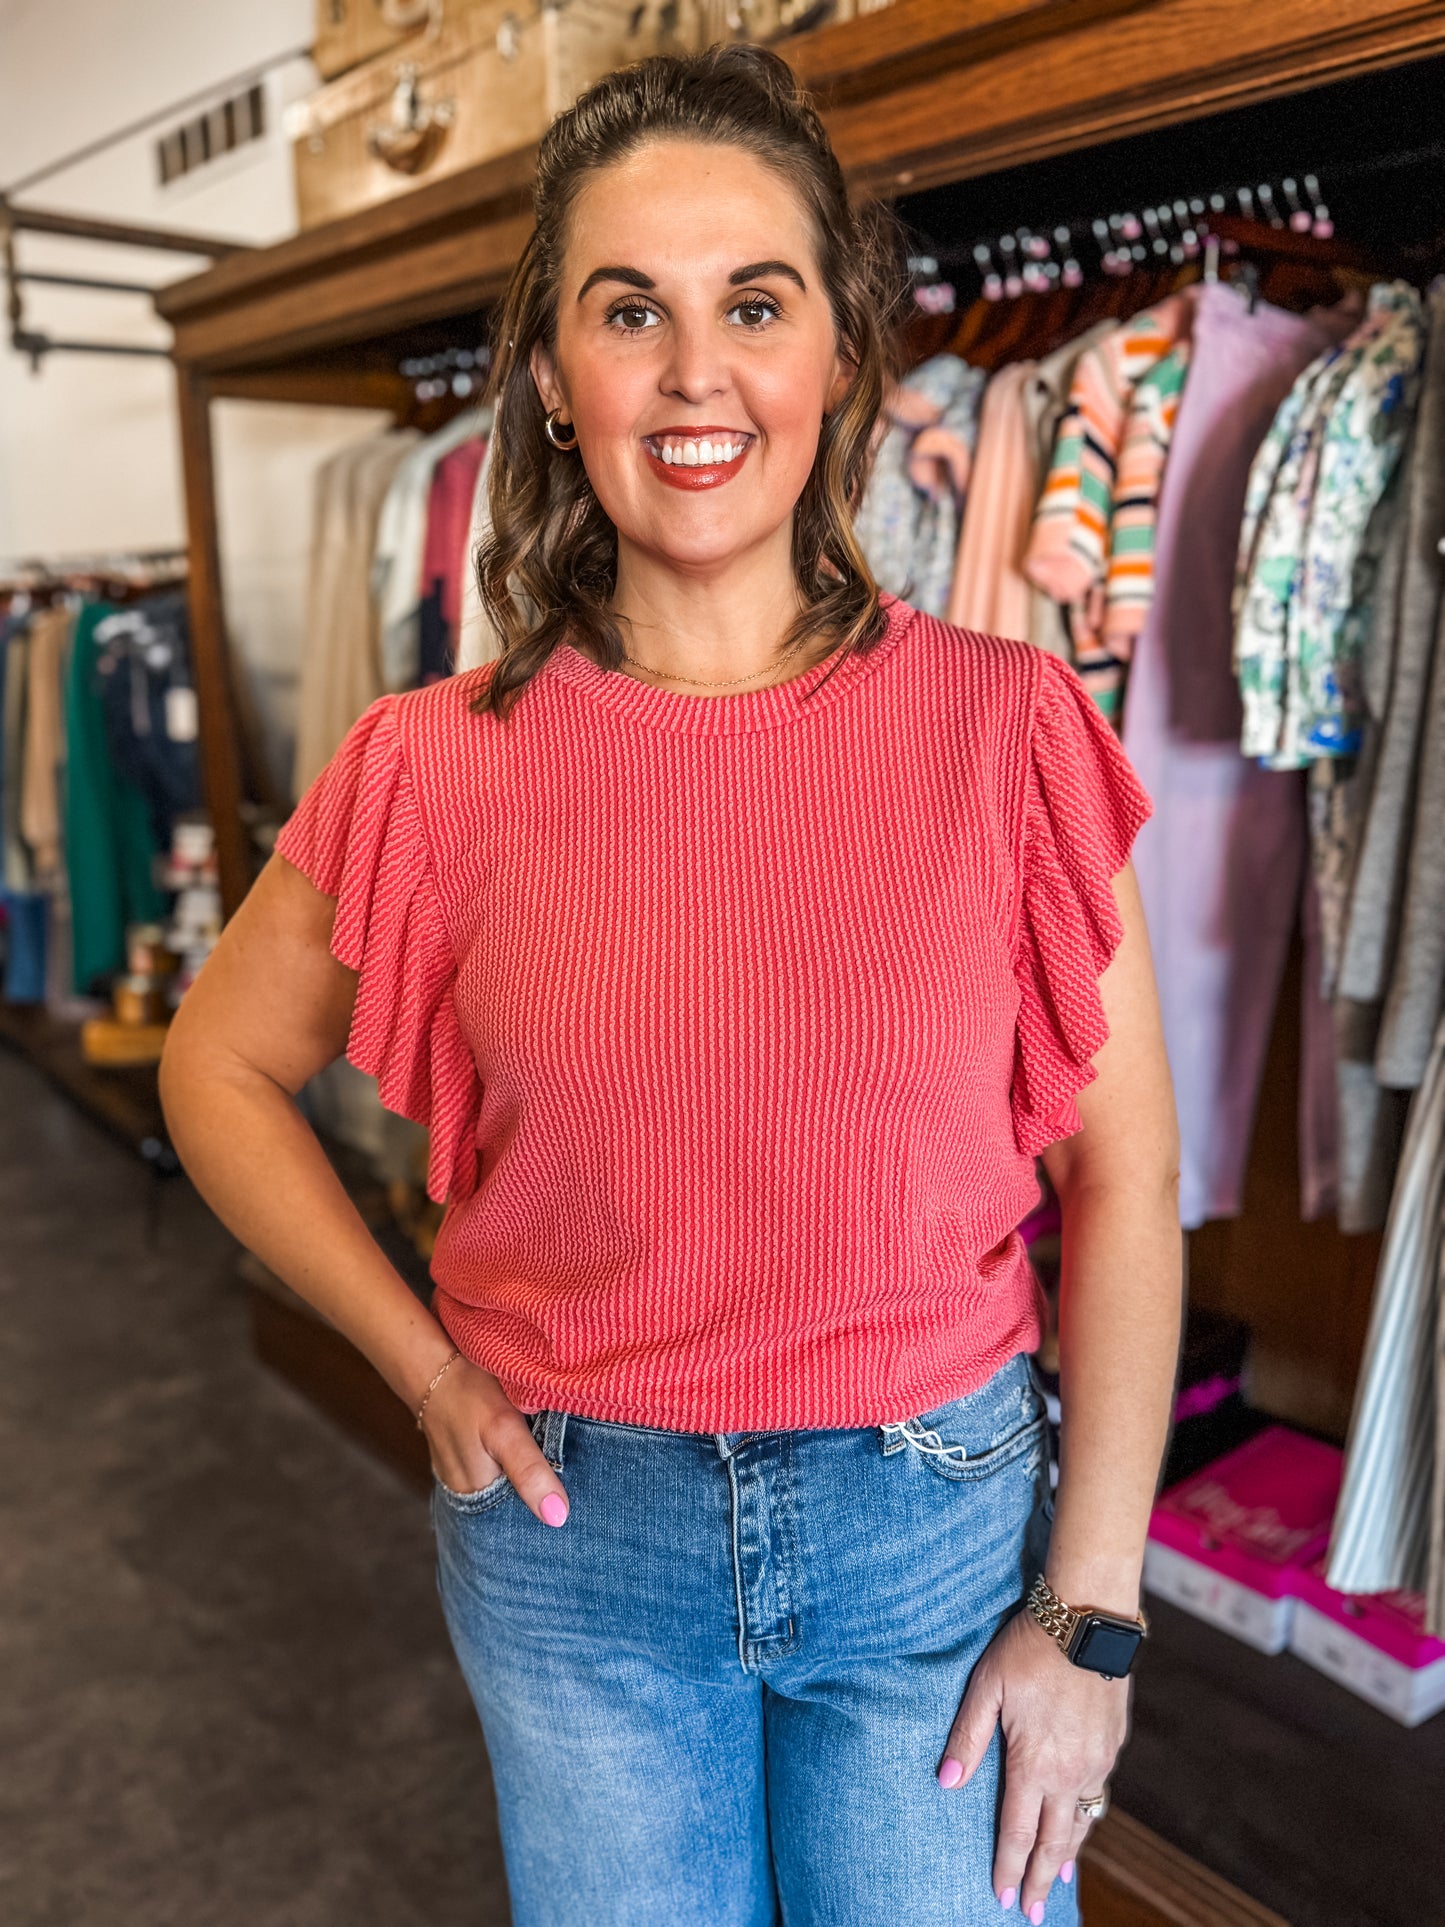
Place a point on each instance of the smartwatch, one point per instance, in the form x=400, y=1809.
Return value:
x=1101, y=1642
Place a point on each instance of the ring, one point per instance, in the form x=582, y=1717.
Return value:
x=1095, y=1806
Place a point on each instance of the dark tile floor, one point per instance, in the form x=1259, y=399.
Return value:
x=227, y=1698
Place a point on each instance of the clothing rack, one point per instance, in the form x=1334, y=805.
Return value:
x=93, y=562
x=1036, y=259
x=979, y=123
x=1291, y=269
x=117, y=576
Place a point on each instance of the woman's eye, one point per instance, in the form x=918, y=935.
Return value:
x=631, y=318
x=634, y=318
x=759, y=312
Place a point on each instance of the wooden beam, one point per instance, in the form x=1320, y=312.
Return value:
x=357, y=298
x=335, y=387
x=1119, y=74
x=1129, y=1877
x=124, y=1098
x=464, y=201
x=210, y=654
x=874, y=53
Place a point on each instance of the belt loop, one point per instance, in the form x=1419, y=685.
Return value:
x=554, y=1430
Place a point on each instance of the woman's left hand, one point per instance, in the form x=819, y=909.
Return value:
x=1063, y=1727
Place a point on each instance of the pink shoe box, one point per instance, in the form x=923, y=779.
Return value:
x=1373, y=1643
x=1228, y=1542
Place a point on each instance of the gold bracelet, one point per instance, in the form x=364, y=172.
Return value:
x=431, y=1388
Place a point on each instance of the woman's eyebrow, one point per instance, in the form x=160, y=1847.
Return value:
x=635, y=278
x=759, y=270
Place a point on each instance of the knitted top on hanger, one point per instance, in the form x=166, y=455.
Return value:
x=737, y=1021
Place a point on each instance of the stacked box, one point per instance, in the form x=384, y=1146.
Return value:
x=1228, y=1543
x=1374, y=1643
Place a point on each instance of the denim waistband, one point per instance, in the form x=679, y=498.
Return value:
x=1015, y=1384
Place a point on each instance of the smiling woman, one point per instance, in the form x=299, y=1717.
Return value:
x=703, y=309
x=741, y=934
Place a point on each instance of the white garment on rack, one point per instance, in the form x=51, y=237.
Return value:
x=1388, y=1523
x=341, y=669
x=477, y=640
x=401, y=547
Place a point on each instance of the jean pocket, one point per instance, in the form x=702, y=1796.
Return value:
x=976, y=1436
x=477, y=1501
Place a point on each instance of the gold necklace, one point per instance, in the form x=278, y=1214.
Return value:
x=667, y=675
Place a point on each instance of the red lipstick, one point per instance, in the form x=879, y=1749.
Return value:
x=701, y=474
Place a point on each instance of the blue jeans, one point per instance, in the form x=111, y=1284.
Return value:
x=718, y=1695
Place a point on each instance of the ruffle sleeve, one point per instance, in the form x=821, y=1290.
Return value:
x=1083, y=806
x=357, y=834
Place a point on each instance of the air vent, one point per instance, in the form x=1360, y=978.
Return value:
x=221, y=129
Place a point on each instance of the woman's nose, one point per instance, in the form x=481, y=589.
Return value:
x=697, y=362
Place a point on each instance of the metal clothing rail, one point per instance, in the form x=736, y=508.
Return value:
x=36, y=345
x=1066, y=253
x=91, y=561
x=1051, y=254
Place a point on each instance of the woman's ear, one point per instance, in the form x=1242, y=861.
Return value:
x=544, y=374
x=844, y=373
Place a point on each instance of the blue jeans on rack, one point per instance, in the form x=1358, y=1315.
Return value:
x=718, y=1695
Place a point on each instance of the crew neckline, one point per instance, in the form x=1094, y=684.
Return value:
x=750, y=709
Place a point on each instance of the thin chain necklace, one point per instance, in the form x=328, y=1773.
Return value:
x=668, y=676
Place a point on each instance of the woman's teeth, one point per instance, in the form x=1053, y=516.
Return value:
x=698, y=454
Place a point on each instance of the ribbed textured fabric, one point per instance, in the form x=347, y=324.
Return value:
x=737, y=1021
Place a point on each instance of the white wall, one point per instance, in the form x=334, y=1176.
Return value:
x=88, y=446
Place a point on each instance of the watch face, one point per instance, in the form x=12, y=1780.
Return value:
x=1106, y=1645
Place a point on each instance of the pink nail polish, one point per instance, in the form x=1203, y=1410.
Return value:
x=1066, y=1872
x=1006, y=1898
x=554, y=1509
x=950, y=1773
x=1036, y=1913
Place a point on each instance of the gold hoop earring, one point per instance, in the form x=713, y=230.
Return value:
x=551, y=426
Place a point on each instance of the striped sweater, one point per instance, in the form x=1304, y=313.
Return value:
x=1069, y=548
x=1104, y=647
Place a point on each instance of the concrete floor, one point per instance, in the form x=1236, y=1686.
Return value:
x=227, y=1697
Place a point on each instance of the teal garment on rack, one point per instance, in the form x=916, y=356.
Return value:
x=26, y=912
x=109, y=848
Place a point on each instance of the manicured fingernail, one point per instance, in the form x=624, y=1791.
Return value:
x=1006, y=1898
x=554, y=1509
x=1036, y=1913
x=1066, y=1872
x=951, y=1772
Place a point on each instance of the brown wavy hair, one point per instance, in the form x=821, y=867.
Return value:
x=548, y=567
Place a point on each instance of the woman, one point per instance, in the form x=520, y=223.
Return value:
x=742, y=936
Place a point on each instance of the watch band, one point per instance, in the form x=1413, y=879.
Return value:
x=1059, y=1620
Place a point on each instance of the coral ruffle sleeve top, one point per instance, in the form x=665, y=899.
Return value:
x=737, y=1021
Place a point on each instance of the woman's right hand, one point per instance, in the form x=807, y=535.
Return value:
x=475, y=1433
